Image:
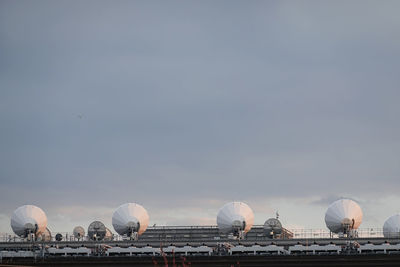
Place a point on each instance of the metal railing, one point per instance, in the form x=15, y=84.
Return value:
x=323, y=233
x=297, y=233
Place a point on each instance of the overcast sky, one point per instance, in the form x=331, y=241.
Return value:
x=182, y=106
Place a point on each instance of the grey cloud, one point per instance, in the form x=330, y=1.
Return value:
x=197, y=100
x=326, y=200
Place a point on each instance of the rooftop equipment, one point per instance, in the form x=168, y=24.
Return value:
x=45, y=236
x=97, y=231
x=391, y=227
x=79, y=232
x=28, y=220
x=272, y=227
x=130, y=219
x=236, y=218
x=343, y=217
x=109, y=236
x=59, y=237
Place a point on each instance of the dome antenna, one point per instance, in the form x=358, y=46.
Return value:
x=235, y=218
x=343, y=217
x=130, y=219
x=29, y=222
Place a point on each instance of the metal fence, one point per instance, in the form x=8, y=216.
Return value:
x=322, y=233
x=297, y=233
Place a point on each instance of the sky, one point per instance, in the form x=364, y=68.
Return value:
x=182, y=106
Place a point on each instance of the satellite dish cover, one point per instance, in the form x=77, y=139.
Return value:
x=235, y=215
x=28, y=219
x=343, y=215
x=391, y=227
x=59, y=237
x=130, y=218
x=79, y=232
x=45, y=236
x=97, y=231
x=273, y=226
x=109, y=235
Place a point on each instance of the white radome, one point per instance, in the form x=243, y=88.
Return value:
x=391, y=227
x=109, y=235
x=343, y=215
x=97, y=230
x=28, y=219
x=235, y=216
x=130, y=218
x=45, y=236
x=78, y=232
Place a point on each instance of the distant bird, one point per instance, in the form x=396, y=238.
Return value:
x=80, y=116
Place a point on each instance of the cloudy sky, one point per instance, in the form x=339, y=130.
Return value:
x=182, y=106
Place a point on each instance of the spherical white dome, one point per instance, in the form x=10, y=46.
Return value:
x=391, y=227
x=130, y=218
x=342, y=215
x=28, y=219
x=235, y=215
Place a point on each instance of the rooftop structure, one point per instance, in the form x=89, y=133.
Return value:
x=28, y=220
